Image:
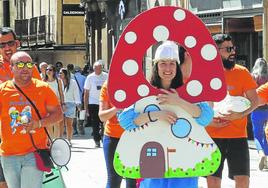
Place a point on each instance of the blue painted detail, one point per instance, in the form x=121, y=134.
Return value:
x=181, y=128
x=151, y=152
x=151, y=108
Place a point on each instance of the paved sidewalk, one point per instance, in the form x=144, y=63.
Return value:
x=87, y=167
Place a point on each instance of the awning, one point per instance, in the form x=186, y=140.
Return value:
x=213, y=29
x=243, y=24
x=258, y=24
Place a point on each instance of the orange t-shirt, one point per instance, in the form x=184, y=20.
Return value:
x=13, y=109
x=112, y=127
x=263, y=91
x=6, y=73
x=238, y=81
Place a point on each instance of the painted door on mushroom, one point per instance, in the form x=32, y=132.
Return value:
x=152, y=160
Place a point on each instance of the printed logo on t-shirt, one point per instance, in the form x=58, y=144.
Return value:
x=19, y=118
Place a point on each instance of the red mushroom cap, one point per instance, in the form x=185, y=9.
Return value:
x=127, y=84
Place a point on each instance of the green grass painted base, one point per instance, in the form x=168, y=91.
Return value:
x=205, y=168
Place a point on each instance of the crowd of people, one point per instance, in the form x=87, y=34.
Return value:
x=67, y=93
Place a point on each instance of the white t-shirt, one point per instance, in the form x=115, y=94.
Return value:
x=54, y=86
x=94, y=83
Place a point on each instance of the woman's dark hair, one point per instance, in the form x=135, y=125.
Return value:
x=181, y=54
x=156, y=80
x=50, y=66
x=67, y=76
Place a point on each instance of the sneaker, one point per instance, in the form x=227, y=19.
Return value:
x=263, y=163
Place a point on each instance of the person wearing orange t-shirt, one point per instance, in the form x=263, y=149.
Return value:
x=112, y=134
x=229, y=131
x=19, y=119
x=263, y=99
x=8, y=46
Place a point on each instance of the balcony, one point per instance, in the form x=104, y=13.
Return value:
x=21, y=29
x=36, y=31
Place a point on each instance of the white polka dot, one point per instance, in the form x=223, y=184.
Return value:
x=130, y=67
x=190, y=41
x=215, y=83
x=161, y=33
x=194, y=88
x=209, y=52
x=143, y=90
x=179, y=15
x=130, y=37
x=120, y=95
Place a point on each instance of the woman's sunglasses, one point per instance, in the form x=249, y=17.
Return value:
x=49, y=69
x=21, y=64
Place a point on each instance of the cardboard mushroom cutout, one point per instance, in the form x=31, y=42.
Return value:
x=158, y=149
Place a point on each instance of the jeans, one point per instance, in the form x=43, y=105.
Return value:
x=21, y=171
x=113, y=179
x=258, y=119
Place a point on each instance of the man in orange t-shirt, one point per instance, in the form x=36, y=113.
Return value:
x=112, y=134
x=18, y=118
x=8, y=46
x=229, y=132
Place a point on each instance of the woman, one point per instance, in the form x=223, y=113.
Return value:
x=71, y=101
x=112, y=134
x=56, y=85
x=167, y=76
x=260, y=115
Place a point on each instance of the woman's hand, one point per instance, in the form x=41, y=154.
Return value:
x=63, y=106
x=168, y=97
x=170, y=117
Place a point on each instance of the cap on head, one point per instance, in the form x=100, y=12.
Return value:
x=167, y=51
x=20, y=56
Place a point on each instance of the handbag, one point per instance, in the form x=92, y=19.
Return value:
x=43, y=160
x=42, y=156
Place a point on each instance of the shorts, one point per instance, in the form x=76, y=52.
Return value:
x=70, y=111
x=236, y=152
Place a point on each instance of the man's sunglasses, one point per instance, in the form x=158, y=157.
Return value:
x=21, y=64
x=229, y=49
x=9, y=43
x=49, y=69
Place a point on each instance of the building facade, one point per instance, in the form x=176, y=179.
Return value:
x=82, y=31
x=243, y=19
x=51, y=30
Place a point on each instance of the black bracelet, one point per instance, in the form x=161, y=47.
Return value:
x=148, y=113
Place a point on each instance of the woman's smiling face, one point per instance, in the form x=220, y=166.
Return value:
x=167, y=69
